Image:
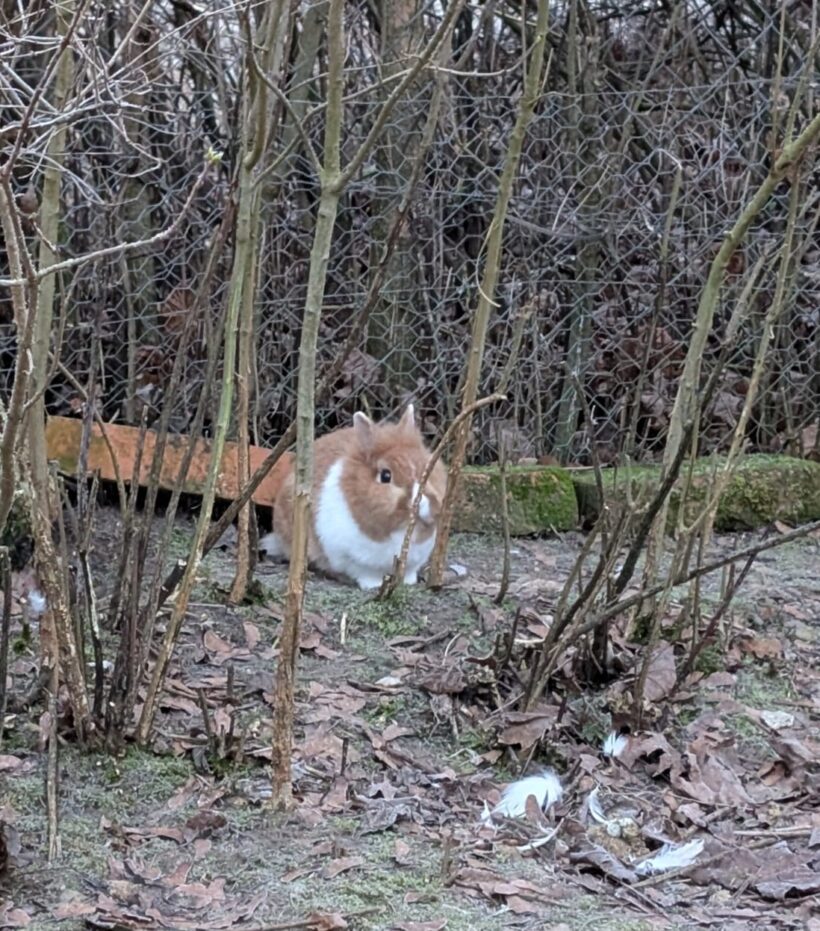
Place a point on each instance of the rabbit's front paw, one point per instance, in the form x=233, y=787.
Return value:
x=368, y=582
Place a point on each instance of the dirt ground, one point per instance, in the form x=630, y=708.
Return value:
x=402, y=736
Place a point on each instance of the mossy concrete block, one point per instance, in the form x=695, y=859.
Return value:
x=764, y=488
x=539, y=498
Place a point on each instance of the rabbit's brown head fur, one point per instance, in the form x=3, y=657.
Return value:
x=383, y=464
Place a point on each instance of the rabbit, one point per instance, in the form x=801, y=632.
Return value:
x=365, y=480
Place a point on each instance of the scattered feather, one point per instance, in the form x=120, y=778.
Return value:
x=36, y=602
x=546, y=788
x=539, y=841
x=670, y=857
x=595, y=809
x=615, y=744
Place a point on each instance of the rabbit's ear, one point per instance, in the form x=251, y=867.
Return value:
x=363, y=428
x=408, y=421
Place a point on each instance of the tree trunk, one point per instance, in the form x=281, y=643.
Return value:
x=44, y=499
x=532, y=89
x=392, y=336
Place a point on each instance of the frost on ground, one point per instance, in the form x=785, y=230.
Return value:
x=407, y=732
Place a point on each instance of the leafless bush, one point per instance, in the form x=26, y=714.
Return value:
x=637, y=96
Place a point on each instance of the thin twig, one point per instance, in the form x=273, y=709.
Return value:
x=5, y=632
x=391, y=581
x=505, y=519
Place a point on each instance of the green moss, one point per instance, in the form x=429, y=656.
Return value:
x=763, y=488
x=402, y=613
x=538, y=499
x=388, y=709
x=761, y=689
x=709, y=660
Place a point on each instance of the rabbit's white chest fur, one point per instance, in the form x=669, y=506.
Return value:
x=350, y=551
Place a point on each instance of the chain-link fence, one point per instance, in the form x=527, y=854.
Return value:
x=653, y=131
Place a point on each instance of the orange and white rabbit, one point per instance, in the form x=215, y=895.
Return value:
x=365, y=480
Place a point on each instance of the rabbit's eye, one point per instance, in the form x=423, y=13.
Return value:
x=385, y=476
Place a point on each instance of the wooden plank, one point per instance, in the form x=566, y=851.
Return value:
x=63, y=435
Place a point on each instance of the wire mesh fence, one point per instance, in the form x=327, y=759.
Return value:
x=653, y=131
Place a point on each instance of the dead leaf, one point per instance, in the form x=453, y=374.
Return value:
x=604, y=861
x=296, y=874
x=776, y=872
x=661, y=674
x=74, y=908
x=711, y=777
x=341, y=865
x=526, y=728
x=11, y=917
x=252, y=634
x=393, y=731
x=337, y=798
x=661, y=756
x=202, y=847
x=204, y=823
x=401, y=852
x=761, y=647
x=521, y=906
x=213, y=643
x=436, y=925
x=220, y=650
x=326, y=922
x=382, y=816
x=447, y=681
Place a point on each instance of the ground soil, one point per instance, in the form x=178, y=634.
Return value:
x=390, y=779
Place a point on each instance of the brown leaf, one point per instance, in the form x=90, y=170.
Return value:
x=182, y=795
x=9, y=763
x=202, y=847
x=526, y=728
x=761, y=647
x=393, y=731
x=337, y=798
x=776, y=872
x=447, y=681
x=252, y=634
x=309, y=640
x=341, y=865
x=74, y=908
x=604, y=861
x=520, y=906
x=203, y=823
x=221, y=649
x=662, y=674
x=656, y=749
x=343, y=700
x=11, y=917
x=325, y=652
x=436, y=925
x=381, y=817
x=296, y=874
x=199, y=895
x=326, y=922
x=401, y=852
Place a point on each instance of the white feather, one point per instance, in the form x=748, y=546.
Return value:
x=615, y=744
x=36, y=602
x=595, y=809
x=546, y=788
x=670, y=857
